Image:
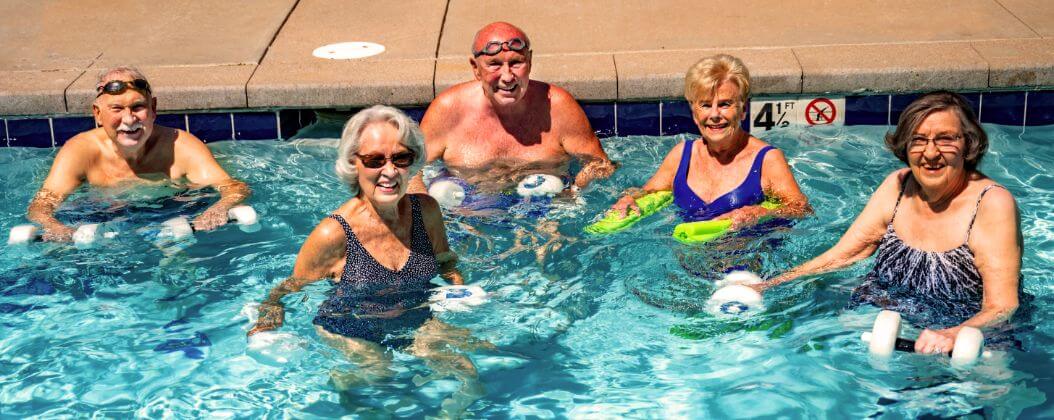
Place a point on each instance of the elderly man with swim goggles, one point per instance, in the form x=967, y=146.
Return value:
x=127, y=146
x=495, y=131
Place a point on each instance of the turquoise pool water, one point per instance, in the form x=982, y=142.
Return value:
x=597, y=327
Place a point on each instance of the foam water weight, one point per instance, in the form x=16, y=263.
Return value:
x=734, y=296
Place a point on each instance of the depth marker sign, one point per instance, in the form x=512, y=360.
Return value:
x=774, y=114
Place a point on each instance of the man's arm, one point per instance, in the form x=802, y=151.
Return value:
x=434, y=125
x=67, y=172
x=578, y=139
x=201, y=168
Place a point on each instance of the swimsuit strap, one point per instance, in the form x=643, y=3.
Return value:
x=760, y=158
x=349, y=243
x=419, y=241
x=903, y=186
x=686, y=161
x=976, y=207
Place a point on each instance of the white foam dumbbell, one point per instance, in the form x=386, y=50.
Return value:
x=271, y=348
x=734, y=296
x=457, y=298
x=275, y=348
x=180, y=227
x=540, y=185
x=884, y=339
x=246, y=217
x=85, y=235
x=448, y=193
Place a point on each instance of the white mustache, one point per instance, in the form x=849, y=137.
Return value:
x=134, y=126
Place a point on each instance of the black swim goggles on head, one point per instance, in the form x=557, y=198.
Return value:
x=117, y=87
x=400, y=160
x=495, y=47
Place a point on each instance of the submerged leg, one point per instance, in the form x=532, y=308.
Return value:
x=372, y=362
x=439, y=345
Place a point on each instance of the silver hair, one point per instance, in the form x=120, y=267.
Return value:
x=108, y=74
x=409, y=136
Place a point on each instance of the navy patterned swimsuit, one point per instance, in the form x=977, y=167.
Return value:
x=367, y=288
x=936, y=289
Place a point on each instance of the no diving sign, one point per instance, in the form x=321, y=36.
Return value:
x=820, y=111
x=772, y=114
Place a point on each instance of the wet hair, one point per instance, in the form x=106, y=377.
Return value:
x=975, y=137
x=705, y=76
x=350, y=141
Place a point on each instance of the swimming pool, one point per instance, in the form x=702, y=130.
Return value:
x=601, y=326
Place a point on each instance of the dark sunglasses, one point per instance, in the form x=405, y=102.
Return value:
x=400, y=160
x=116, y=87
x=494, y=47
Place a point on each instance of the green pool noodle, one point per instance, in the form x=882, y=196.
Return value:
x=708, y=230
x=648, y=204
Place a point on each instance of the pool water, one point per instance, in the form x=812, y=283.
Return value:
x=590, y=326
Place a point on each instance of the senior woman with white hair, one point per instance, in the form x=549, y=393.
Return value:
x=381, y=248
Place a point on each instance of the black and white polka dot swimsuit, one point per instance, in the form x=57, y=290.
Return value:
x=367, y=288
x=931, y=288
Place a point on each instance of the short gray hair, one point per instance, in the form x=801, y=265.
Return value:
x=409, y=136
x=111, y=73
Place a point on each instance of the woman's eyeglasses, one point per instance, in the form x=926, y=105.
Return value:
x=400, y=160
x=116, y=87
x=943, y=142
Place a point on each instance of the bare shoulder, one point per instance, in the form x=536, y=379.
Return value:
x=328, y=232
x=85, y=143
x=997, y=200
x=453, y=98
x=184, y=140
x=447, y=108
x=559, y=96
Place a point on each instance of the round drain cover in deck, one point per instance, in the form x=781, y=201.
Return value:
x=348, y=50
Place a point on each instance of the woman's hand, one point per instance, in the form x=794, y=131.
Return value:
x=624, y=205
x=936, y=341
x=744, y=216
x=272, y=316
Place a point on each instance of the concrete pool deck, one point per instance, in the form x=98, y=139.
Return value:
x=238, y=54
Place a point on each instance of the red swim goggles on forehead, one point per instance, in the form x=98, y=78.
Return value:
x=495, y=47
x=400, y=160
x=117, y=87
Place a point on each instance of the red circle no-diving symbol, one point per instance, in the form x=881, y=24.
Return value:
x=820, y=111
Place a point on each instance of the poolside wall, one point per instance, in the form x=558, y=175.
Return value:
x=651, y=118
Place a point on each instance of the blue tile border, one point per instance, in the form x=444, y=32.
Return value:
x=1040, y=109
x=867, y=110
x=172, y=121
x=601, y=118
x=677, y=118
x=415, y=113
x=210, y=127
x=661, y=117
x=255, y=126
x=637, y=118
x=1006, y=108
x=288, y=123
x=67, y=127
x=35, y=132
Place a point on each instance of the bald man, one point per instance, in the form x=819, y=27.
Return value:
x=493, y=131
